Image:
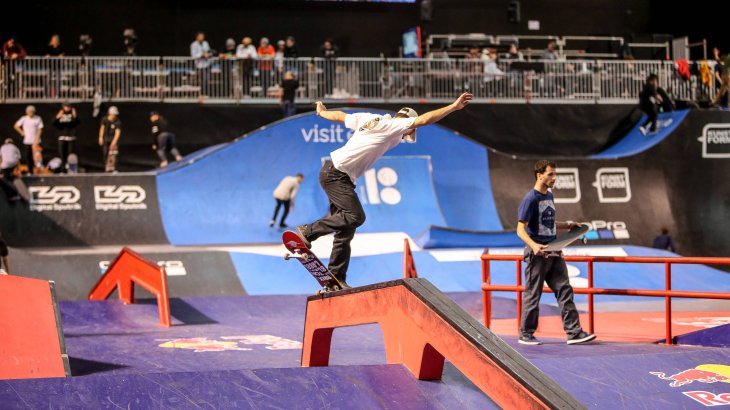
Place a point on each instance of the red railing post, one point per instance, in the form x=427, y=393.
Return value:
x=668, y=302
x=486, y=294
x=519, y=293
x=590, y=297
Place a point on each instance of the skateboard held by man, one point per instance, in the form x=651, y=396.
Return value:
x=299, y=251
x=566, y=238
x=111, y=159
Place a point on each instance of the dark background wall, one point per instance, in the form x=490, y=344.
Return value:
x=166, y=27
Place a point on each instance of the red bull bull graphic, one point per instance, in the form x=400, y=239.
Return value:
x=203, y=344
x=692, y=375
x=704, y=373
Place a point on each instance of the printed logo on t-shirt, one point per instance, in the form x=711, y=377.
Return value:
x=370, y=124
x=547, y=218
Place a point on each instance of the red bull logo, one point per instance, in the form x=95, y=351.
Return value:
x=704, y=373
x=203, y=344
x=692, y=375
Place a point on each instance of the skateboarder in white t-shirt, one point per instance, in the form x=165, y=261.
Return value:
x=374, y=134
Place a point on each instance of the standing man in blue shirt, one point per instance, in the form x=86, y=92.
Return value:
x=537, y=226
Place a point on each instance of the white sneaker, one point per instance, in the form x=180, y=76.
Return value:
x=642, y=130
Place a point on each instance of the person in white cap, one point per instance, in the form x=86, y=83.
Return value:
x=109, y=133
x=374, y=134
x=30, y=127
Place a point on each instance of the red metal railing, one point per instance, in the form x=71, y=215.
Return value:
x=667, y=293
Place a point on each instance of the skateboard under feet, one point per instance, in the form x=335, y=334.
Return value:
x=299, y=251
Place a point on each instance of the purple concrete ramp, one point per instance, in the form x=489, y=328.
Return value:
x=365, y=387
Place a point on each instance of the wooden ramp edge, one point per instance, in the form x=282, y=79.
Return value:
x=421, y=328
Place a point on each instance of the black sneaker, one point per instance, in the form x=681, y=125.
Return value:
x=529, y=340
x=271, y=224
x=301, y=229
x=344, y=284
x=282, y=226
x=581, y=337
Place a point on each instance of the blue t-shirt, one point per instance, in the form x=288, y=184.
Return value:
x=537, y=211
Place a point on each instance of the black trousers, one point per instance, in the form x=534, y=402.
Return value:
x=279, y=203
x=345, y=215
x=652, y=114
x=553, y=271
x=27, y=157
x=66, y=148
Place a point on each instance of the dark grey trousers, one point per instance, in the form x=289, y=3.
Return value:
x=344, y=216
x=553, y=271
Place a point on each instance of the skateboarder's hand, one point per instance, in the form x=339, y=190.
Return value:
x=462, y=101
x=320, y=107
x=537, y=248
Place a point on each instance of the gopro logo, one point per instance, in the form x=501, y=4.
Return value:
x=613, y=185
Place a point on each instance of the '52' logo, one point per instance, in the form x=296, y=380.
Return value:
x=122, y=194
x=50, y=195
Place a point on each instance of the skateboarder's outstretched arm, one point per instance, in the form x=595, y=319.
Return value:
x=322, y=111
x=436, y=115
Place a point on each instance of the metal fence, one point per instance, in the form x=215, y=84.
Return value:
x=183, y=79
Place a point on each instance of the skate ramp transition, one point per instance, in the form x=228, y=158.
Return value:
x=223, y=195
x=227, y=194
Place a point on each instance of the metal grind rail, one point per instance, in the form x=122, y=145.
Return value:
x=667, y=293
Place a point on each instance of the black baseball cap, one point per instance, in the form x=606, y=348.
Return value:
x=154, y=113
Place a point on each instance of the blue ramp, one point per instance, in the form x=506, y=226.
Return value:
x=399, y=192
x=225, y=196
x=634, y=142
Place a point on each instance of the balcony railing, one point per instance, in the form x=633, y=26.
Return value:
x=183, y=79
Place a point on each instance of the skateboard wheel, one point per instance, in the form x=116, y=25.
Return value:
x=287, y=256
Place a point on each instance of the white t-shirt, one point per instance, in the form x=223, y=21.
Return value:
x=9, y=155
x=287, y=189
x=246, y=51
x=374, y=135
x=30, y=127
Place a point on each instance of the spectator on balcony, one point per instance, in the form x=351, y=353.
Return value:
x=514, y=53
x=30, y=127
x=290, y=48
x=266, y=54
x=110, y=131
x=287, y=93
x=12, y=50
x=246, y=54
x=551, y=52
x=329, y=52
x=492, y=73
x=229, y=50
x=130, y=43
x=164, y=140
x=201, y=52
x=279, y=58
x=66, y=122
x=648, y=99
x=719, y=66
x=722, y=97
x=9, y=159
x=54, y=49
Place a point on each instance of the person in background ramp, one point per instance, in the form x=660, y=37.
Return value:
x=374, y=134
x=537, y=226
